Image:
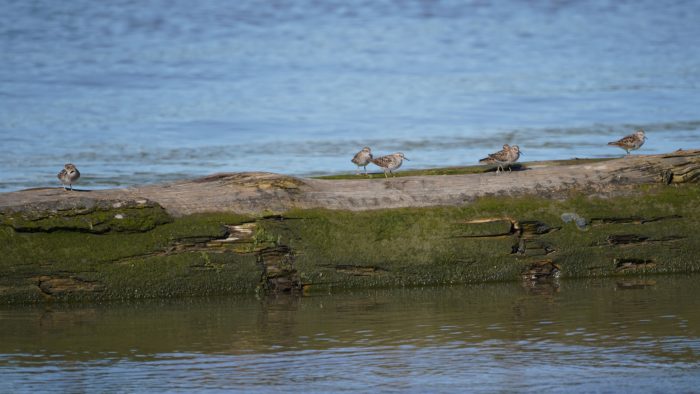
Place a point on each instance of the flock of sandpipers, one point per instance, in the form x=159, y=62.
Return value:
x=502, y=159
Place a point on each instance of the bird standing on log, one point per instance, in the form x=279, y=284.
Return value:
x=504, y=157
x=513, y=155
x=362, y=158
x=68, y=175
x=631, y=142
x=389, y=163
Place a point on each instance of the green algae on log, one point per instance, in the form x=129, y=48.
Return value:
x=86, y=215
x=193, y=255
x=238, y=233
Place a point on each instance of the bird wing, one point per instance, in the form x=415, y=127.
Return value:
x=501, y=155
x=624, y=141
x=383, y=161
x=356, y=158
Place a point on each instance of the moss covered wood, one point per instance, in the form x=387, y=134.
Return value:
x=265, y=232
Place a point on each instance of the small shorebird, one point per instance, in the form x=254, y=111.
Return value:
x=68, y=175
x=390, y=162
x=362, y=158
x=504, y=157
x=513, y=155
x=633, y=141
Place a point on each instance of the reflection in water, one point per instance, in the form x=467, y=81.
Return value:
x=588, y=335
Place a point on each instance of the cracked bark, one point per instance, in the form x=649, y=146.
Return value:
x=259, y=193
x=539, y=223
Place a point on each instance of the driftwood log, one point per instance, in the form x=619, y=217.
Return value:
x=246, y=232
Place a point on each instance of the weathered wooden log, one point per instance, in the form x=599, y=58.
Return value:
x=245, y=232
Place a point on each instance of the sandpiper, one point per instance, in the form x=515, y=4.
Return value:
x=504, y=157
x=390, y=162
x=362, y=158
x=633, y=141
x=513, y=155
x=68, y=175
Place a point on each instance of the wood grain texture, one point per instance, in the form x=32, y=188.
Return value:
x=260, y=192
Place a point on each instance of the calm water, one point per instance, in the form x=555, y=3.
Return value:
x=137, y=92
x=608, y=335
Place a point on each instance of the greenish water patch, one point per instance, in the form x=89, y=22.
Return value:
x=587, y=335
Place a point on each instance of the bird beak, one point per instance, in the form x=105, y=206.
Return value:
x=406, y=158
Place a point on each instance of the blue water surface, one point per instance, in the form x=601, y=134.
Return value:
x=139, y=92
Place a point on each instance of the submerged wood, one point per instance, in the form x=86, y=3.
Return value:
x=246, y=232
x=259, y=192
